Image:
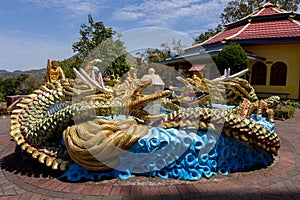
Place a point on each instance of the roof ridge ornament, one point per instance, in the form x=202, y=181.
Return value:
x=267, y=5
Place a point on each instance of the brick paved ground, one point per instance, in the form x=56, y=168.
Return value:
x=22, y=180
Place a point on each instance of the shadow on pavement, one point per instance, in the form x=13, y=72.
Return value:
x=20, y=163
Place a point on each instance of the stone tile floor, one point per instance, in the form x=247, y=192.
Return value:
x=23, y=180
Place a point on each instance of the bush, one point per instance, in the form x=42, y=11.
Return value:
x=284, y=111
x=291, y=103
x=233, y=57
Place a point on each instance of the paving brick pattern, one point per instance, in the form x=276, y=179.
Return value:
x=281, y=180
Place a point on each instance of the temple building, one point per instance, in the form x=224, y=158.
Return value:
x=271, y=39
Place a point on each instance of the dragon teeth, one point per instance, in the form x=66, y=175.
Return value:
x=42, y=157
x=20, y=140
x=30, y=150
x=63, y=165
x=15, y=126
x=49, y=161
x=56, y=163
x=35, y=154
x=25, y=146
x=15, y=134
x=14, y=117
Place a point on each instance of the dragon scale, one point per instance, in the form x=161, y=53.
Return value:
x=56, y=130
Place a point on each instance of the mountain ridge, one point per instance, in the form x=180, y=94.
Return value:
x=16, y=73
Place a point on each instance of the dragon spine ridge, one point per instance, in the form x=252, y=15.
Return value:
x=36, y=135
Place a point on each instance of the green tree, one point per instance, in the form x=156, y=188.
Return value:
x=21, y=78
x=2, y=90
x=9, y=87
x=91, y=36
x=67, y=66
x=237, y=9
x=153, y=55
x=103, y=43
x=208, y=34
x=150, y=57
x=234, y=57
x=22, y=84
x=28, y=85
x=113, y=54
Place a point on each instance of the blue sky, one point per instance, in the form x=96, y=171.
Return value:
x=33, y=30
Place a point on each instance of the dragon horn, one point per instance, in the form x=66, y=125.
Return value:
x=85, y=77
x=232, y=76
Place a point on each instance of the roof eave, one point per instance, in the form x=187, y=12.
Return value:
x=252, y=41
x=255, y=41
x=207, y=55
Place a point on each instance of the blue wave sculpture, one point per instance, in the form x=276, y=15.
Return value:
x=181, y=154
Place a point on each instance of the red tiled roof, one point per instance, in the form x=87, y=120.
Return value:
x=196, y=68
x=260, y=25
x=268, y=11
x=223, y=35
x=271, y=29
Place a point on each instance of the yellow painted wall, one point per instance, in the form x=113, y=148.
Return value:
x=290, y=55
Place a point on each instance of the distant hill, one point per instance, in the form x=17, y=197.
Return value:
x=7, y=74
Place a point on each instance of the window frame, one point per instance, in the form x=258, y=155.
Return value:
x=278, y=74
x=255, y=73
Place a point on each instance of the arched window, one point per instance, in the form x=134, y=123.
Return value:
x=278, y=74
x=259, y=74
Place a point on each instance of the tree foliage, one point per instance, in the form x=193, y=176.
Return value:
x=113, y=54
x=234, y=57
x=28, y=85
x=91, y=36
x=237, y=9
x=208, y=34
x=153, y=55
x=150, y=57
x=103, y=43
x=67, y=66
x=21, y=85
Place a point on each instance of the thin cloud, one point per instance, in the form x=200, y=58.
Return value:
x=167, y=13
x=127, y=15
x=71, y=7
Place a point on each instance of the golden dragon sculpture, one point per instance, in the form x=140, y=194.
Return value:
x=71, y=120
